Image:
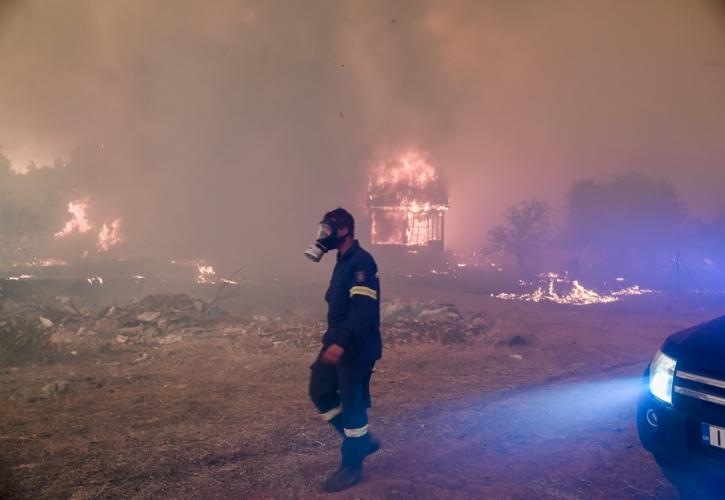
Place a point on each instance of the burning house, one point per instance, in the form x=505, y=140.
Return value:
x=407, y=204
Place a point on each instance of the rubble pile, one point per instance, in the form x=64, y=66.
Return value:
x=405, y=321
x=39, y=331
x=157, y=319
x=260, y=333
x=402, y=321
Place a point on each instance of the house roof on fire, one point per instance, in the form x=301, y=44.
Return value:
x=388, y=195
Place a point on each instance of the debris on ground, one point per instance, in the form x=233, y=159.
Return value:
x=407, y=321
x=39, y=331
x=42, y=331
x=169, y=339
x=56, y=387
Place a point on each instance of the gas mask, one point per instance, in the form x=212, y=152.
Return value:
x=325, y=241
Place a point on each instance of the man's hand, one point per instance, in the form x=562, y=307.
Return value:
x=332, y=354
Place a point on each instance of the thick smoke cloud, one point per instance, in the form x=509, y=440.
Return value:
x=225, y=129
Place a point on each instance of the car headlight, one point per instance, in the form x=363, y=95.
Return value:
x=661, y=377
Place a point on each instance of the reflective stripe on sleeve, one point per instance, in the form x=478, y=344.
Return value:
x=363, y=290
x=356, y=433
x=329, y=415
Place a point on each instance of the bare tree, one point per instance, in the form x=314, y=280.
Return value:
x=525, y=226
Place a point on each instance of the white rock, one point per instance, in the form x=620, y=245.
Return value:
x=148, y=316
x=170, y=339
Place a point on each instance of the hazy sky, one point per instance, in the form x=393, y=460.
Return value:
x=226, y=128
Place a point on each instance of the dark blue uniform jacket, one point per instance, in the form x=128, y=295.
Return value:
x=353, y=300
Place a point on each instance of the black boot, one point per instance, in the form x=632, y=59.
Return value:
x=354, y=451
x=343, y=478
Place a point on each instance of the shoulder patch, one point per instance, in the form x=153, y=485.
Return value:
x=360, y=276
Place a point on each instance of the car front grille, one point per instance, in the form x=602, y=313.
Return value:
x=708, y=389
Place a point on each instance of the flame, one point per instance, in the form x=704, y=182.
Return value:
x=577, y=295
x=632, y=290
x=109, y=235
x=79, y=221
x=393, y=231
x=22, y=277
x=409, y=169
x=206, y=274
x=49, y=262
x=417, y=233
x=406, y=200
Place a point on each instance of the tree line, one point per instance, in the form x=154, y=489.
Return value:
x=628, y=225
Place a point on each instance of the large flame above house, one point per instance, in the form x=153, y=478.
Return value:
x=407, y=203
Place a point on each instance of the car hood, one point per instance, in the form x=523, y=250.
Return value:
x=700, y=347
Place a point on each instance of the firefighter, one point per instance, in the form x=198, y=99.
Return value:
x=340, y=377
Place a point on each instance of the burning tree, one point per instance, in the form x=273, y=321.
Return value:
x=39, y=208
x=525, y=226
x=108, y=235
x=407, y=203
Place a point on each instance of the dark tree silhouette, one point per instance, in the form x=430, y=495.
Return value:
x=525, y=227
x=630, y=218
x=32, y=208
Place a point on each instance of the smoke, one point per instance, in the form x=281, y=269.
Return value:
x=225, y=129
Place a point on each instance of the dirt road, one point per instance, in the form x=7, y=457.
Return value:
x=570, y=439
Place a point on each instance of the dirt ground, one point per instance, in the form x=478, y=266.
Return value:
x=551, y=416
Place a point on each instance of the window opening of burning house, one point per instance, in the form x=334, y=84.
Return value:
x=407, y=203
